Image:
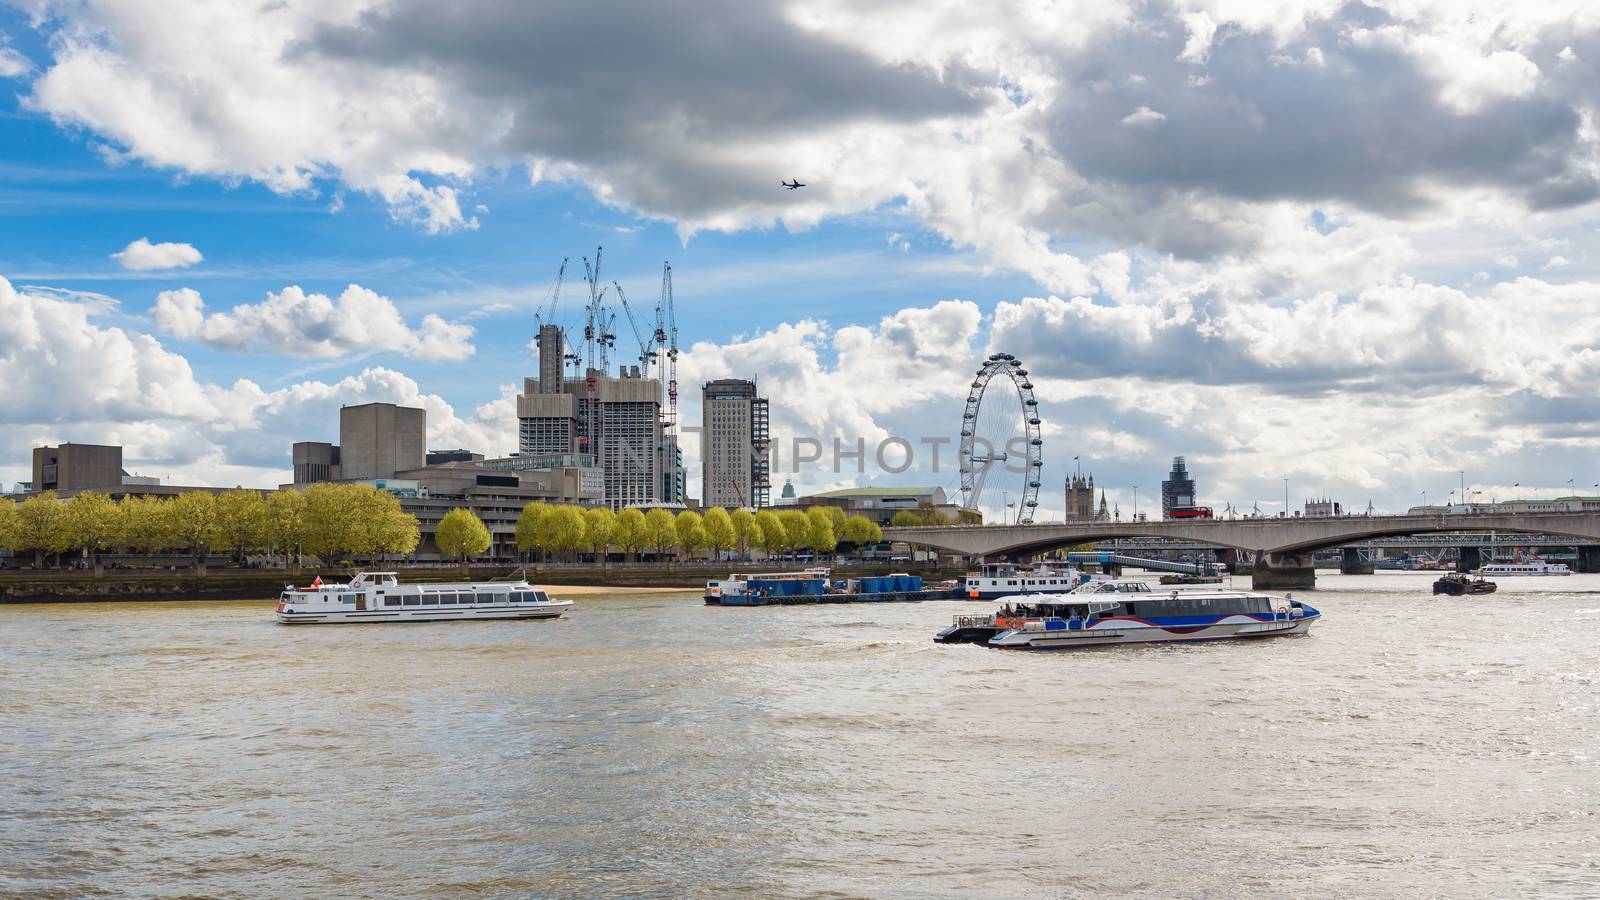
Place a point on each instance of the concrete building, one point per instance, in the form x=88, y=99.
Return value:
x=315, y=461
x=440, y=457
x=1178, y=490
x=616, y=420
x=73, y=467
x=881, y=503
x=735, y=462
x=495, y=490
x=376, y=440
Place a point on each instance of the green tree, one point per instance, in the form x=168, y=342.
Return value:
x=691, y=531
x=599, y=530
x=796, y=528
x=820, y=535
x=241, y=521
x=41, y=526
x=769, y=533
x=744, y=531
x=565, y=530
x=905, y=518
x=284, y=525
x=8, y=525
x=90, y=520
x=631, y=534
x=660, y=531
x=836, y=516
x=718, y=524
x=143, y=524
x=329, y=529
x=461, y=534
x=193, y=524
x=530, y=527
x=860, y=531
x=392, y=530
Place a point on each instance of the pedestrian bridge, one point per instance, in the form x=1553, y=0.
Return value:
x=1282, y=545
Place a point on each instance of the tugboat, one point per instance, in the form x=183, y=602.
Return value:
x=1128, y=612
x=379, y=597
x=1456, y=585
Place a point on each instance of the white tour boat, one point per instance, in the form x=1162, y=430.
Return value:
x=1119, y=611
x=380, y=597
x=1531, y=567
x=997, y=580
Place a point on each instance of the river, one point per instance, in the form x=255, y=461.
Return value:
x=653, y=746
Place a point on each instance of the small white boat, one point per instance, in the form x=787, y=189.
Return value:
x=1532, y=567
x=380, y=597
x=996, y=580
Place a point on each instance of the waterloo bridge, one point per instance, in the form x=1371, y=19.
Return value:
x=1282, y=547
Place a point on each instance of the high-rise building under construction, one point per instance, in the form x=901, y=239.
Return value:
x=610, y=421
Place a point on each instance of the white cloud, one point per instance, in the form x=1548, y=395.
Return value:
x=293, y=322
x=72, y=379
x=141, y=255
x=1144, y=115
x=13, y=64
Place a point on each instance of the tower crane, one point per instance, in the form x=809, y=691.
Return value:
x=646, y=351
x=667, y=334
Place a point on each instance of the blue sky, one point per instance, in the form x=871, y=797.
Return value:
x=1350, y=247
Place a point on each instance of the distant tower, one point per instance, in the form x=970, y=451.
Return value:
x=1080, y=498
x=1104, y=515
x=734, y=445
x=1177, y=490
x=788, y=489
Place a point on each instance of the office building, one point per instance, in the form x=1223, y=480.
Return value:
x=376, y=440
x=1178, y=490
x=734, y=445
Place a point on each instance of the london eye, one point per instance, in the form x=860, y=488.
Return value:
x=1000, y=445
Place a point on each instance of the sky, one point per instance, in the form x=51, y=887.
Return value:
x=1351, y=246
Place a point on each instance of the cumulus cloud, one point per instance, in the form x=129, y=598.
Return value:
x=74, y=379
x=141, y=255
x=294, y=322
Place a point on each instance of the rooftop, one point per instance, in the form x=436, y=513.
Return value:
x=879, y=492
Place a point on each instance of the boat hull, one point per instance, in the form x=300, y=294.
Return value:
x=422, y=614
x=1110, y=634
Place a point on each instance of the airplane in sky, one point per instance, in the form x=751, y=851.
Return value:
x=792, y=185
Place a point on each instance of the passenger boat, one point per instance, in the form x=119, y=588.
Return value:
x=1457, y=585
x=379, y=597
x=1120, y=611
x=1531, y=567
x=996, y=580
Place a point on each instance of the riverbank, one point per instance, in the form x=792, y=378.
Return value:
x=264, y=584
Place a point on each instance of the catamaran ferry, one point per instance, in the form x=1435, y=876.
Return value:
x=996, y=580
x=1532, y=567
x=1128, y=612
x=379, y=597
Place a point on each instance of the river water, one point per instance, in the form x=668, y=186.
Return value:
x=654, y=746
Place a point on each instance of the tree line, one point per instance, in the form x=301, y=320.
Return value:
x=565, y=531
x=337, y=521
x=329, y=521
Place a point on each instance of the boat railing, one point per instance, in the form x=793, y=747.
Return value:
x=973, y=621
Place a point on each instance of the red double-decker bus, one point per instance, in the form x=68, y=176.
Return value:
x=1189, y=512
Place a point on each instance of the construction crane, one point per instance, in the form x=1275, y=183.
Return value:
x=646, y=350
x=552, y=298
x=667, y=335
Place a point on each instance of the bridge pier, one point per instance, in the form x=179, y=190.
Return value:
x=1588, y=560
x=1351, y=563
x=1468, y=558
x=1283, y=571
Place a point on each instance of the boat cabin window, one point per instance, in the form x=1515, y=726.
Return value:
x=413, y=599
x=391, y=601
x=347, y=598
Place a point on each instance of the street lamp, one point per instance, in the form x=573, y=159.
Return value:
x=1136, y=503
x=1286, y=498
